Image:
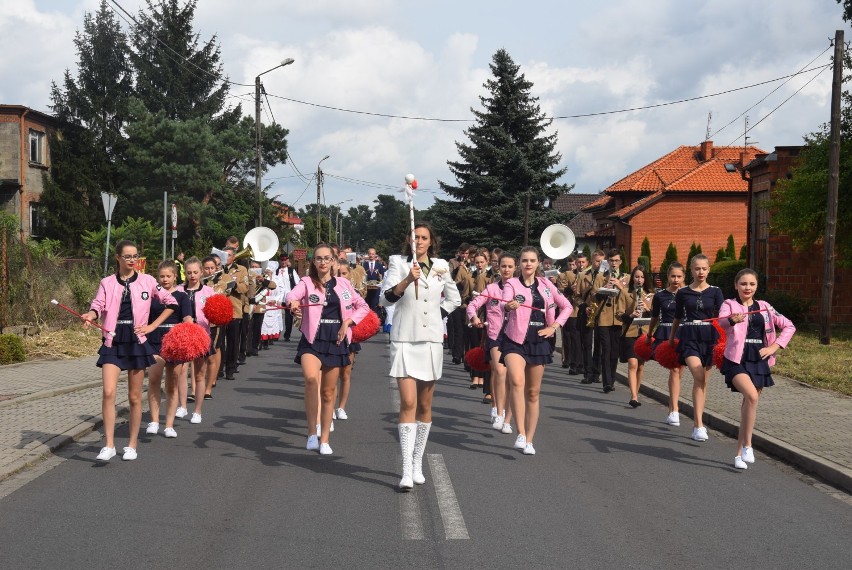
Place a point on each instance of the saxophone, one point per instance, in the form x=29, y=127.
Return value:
x=595, y=308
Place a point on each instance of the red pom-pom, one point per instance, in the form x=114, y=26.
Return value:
x=185, y=342
x=218, y=310
x=475, y=358
x=642, y=349
x=721, y=331
x=719, y=354
x=667, y=355
x=414, y=184
x=367, y=328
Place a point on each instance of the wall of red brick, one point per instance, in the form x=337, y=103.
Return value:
x=681, y=219
x=800, y=274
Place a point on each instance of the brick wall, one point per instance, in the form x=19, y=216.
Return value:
x=681, y=219
x=800, y=274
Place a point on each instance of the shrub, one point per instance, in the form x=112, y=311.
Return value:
x=645, y=262
x=722, y=275
x=720, y=255
x=646, y=253
x=791, y=306
x=11, y=349
x=671, y=256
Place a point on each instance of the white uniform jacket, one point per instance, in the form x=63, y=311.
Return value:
x=421, y=319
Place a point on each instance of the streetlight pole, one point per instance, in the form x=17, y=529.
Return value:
x=257, y=177
x=319, y=191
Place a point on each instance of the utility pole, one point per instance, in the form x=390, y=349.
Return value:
x=833, y=188
x=319, y=190
x=257, y=88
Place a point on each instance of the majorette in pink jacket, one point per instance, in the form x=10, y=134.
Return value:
x=495, y=309
x=107, y=301
x=736, y=333
x=519, y=319
x=200, y=298
x=352, y=305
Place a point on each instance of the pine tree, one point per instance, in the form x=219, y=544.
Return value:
x=744, y=252
x=730, y=250
x=720, y=255
x=508, y=162
x=645, y=252
x=671, y=257
x=89, y=148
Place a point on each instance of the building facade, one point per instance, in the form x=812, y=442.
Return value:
x=24, y=161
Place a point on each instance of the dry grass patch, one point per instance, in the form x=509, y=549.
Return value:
x=822, y=366
x=72, y=342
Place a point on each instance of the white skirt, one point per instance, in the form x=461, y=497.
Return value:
x=418, y=360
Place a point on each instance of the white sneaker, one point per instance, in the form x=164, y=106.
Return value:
x=498, y=423
x=739, y=463
x=106, y=454
x=494, y=413
x=529, y=449
x=748, y=454
x=170, y=432
x=313, y=443
x=700, y=434
x=673, y=419
x=129, y=454
x=331, y=427
x=507, y=428
x=181, y=413
x=153, y=428
x=196, y=418
x=341, y=414
x=325, y=449
x=520, y=442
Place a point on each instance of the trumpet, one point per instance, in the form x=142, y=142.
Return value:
x=212, y=276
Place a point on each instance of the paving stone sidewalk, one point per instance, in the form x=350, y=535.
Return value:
x=47, y=404
x=809, y=427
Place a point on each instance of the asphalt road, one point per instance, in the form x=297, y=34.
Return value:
x=609, y=487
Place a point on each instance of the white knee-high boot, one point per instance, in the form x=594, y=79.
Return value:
x=406, y=445
x=419, y=449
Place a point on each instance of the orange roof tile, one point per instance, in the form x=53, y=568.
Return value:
x=601, y=202
x=637, y=205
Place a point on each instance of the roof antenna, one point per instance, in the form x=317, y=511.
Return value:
x=746, y=141
x=709, y=119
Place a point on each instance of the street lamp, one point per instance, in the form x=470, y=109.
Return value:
x=332, y=227
x=257, y=89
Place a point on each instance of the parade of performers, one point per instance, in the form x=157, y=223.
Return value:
x=485, y=300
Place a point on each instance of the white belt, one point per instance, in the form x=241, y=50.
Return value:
x=330, y=321
x=695, y=323
x=536, y=324
x=754, y=340
x=124, y=322
x=167, y=326
x=664, y=324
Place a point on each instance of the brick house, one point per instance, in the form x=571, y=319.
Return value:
x=798, y=273
x=581, y=223
x=692, y=194
x=24, y=159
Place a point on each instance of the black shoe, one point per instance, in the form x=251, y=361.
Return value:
x=241, y=361
x=596, y=380
x=564, y=365
x=572, y=372
x=229, y=376
x=586, y=381
x=456, y=360
x=634, y=403
x=190, y=398
x=208, y=396
x=286, y=339
x=221, y=374
x=487, y=399
x=608, y=389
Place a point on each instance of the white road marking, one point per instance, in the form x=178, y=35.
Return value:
x=410, y=518
x=451, y=515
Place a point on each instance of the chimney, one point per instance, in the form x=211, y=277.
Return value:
x=706, y=151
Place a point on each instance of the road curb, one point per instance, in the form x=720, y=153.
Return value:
x=60, y=440
x=832, y=472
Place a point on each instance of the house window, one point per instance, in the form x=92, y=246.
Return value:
x=37, y=221
x=36, y=147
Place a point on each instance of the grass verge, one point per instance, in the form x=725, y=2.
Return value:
x=72, y=342
x=822, y=366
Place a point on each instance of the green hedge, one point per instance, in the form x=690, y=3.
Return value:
x=722, y=275
x=11, y=349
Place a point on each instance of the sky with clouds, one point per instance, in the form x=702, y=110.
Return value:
x=430, y=59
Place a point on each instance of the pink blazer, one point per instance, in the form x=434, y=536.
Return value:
x=200, y=297
x=352, y=305
x=495, y=310
x=519, y=319
x=107, y=301
x=736, y=334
